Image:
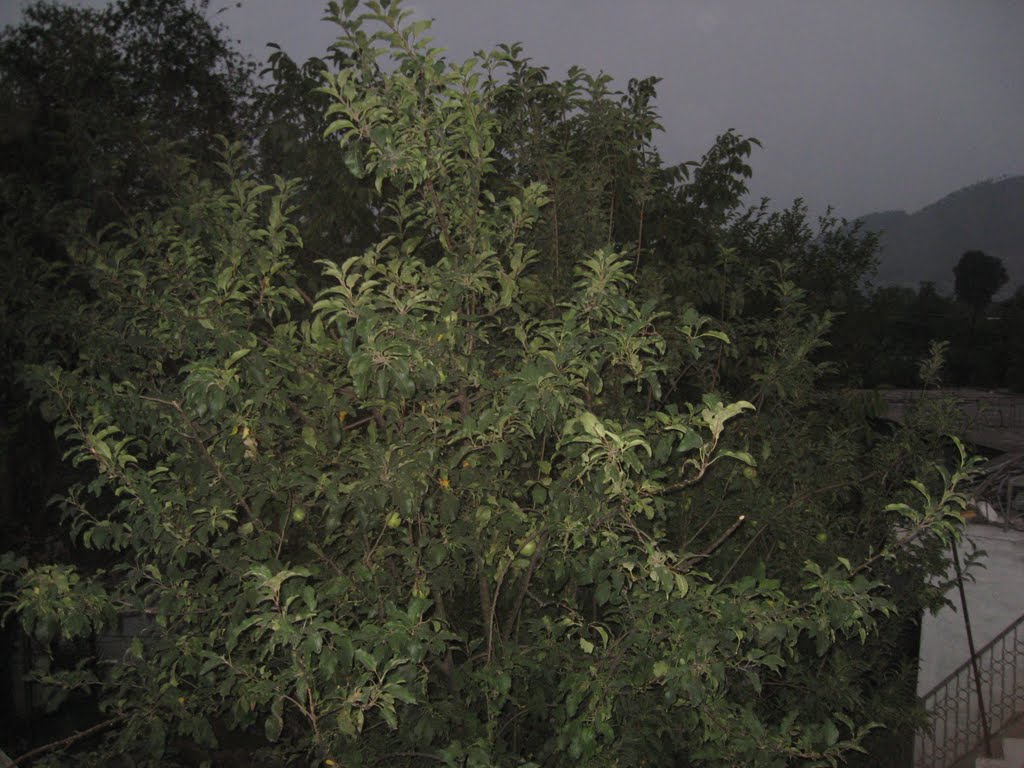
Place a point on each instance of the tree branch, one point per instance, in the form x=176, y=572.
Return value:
x=54, y=746
x=524, y=586
x=719, y=541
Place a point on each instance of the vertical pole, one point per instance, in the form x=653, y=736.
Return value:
x=970, y=645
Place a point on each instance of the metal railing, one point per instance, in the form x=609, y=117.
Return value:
x=954, y=727
x=995, y=412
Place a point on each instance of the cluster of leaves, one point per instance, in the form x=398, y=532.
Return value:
x=336, y=212
x=501, y=491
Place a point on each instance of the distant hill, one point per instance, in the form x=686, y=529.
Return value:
x=926, y=245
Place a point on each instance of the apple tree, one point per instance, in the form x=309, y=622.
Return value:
x=441, y=512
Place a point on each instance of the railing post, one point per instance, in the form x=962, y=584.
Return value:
x=974, y=654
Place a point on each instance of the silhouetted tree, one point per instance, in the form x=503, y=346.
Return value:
x=978, y=278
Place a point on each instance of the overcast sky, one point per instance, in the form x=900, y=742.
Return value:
x=867, y=105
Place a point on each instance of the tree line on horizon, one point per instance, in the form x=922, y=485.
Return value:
x=891, y=327
x=429, y=417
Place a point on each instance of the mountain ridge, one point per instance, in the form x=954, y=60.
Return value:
x=925, y=245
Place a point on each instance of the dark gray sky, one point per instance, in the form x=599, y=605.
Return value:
x=867, y=105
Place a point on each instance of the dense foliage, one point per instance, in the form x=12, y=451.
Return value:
x=93, y=97
x=536, y=463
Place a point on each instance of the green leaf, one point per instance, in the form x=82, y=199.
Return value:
x=689, y=441
x=743, y=456
x=591, y=425
x=405, y=384
x=236, y=356
x=387, y=710
x=272, y=727
x=366, y=659
x=500, y=451
x=682, y=585
x=347, y=724
x=831, y=733
x=354, y=162
x=538, y=494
